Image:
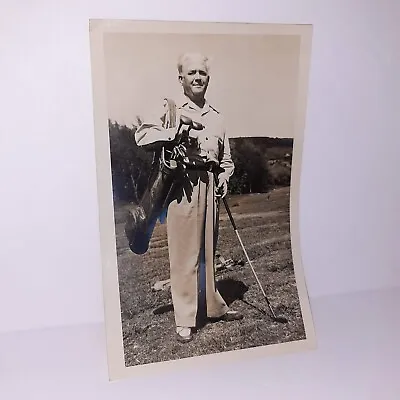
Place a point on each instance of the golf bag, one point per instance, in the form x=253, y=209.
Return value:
x=164, y=176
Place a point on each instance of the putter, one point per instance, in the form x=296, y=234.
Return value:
x=277, y=318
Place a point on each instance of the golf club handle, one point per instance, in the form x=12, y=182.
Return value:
x=226, y=204
x=229, y=213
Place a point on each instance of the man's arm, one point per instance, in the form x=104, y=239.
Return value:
x=152, y=131
x=151, y=134
x=227, y=166
x=226, y=162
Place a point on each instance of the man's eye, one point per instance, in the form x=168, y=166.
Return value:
x=202, y=73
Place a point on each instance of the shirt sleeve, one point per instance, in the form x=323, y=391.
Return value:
x=226, y=162
x=151, y=130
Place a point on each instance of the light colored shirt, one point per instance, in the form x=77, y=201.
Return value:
x=213, y=140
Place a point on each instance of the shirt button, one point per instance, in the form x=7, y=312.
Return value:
x=206, y=138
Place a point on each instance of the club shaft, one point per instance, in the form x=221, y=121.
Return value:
x=254, y=273
x=230, y=217
x=251, y=265
x=247, y=256
x=241, y=243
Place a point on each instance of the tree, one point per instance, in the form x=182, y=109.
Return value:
x=260, y=163
x=251, y=172
x=130, y=165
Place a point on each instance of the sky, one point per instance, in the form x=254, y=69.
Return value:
x=253, y=78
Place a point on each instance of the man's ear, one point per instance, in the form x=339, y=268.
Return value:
x=180, y=78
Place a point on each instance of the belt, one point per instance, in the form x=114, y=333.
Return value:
x=199, y=164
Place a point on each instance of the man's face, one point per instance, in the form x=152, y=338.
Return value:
x=194, y=78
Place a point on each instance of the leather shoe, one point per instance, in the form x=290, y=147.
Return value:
x=229, y=316
x=184, y=334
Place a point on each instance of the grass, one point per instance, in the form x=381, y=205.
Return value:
x=147, y=316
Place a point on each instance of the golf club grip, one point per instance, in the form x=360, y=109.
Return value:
x=229, y=213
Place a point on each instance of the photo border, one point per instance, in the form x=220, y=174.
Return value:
x=109, y=263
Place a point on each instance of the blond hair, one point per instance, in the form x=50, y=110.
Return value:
x=192, y=55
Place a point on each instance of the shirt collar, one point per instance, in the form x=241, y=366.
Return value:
x=187, y=103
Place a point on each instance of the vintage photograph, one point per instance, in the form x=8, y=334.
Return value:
x=199, y=130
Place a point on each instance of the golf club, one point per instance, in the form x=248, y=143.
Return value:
x=281, y=319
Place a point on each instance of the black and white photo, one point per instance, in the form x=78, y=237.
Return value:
x=199, y=130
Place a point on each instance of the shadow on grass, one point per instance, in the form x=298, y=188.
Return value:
x=163, y=309
x=230, y=289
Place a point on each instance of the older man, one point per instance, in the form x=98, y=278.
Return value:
x=192, y=215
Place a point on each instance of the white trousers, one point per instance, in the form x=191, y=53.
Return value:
x=192, y=228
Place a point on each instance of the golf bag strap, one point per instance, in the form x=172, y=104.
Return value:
x=168, y=121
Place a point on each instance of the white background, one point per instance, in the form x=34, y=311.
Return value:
x=50, y=274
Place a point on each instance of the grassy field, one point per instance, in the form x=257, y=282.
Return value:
x=147, y=315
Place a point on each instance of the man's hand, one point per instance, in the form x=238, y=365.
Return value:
x=222, y=188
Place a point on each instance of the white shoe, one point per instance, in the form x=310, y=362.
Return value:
x=184, y=334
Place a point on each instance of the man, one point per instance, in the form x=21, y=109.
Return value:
x=192, y=215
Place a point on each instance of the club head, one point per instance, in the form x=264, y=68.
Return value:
x=281, y=319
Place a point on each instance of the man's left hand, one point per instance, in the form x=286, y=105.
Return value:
x=222, y=188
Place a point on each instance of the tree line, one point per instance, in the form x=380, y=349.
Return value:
x=261, y=164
